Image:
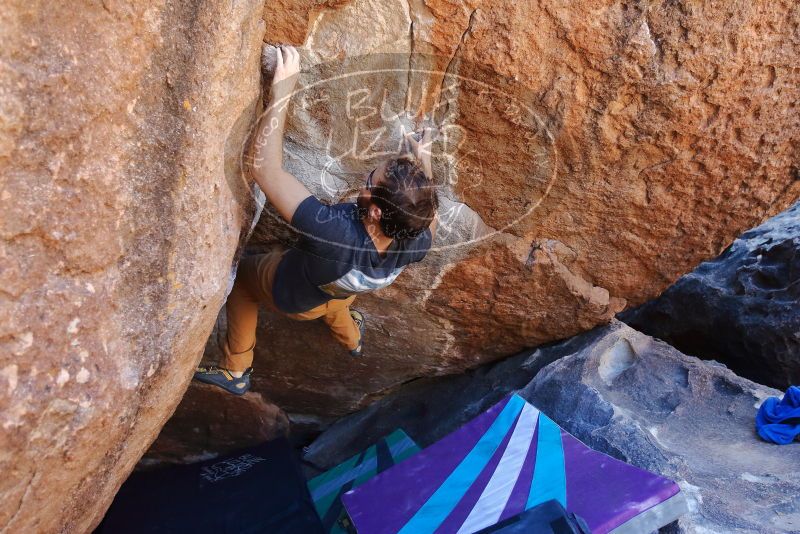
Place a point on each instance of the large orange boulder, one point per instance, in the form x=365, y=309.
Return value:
x=122, y=210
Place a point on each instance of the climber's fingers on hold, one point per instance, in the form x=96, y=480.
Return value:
x=287, y=66
x=422, y=137
x=289, y=60
x=418, y=143
x=413, y=144
x=426, y=135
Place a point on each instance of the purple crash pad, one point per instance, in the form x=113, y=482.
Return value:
x=505, y=461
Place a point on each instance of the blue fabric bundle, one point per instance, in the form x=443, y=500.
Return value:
x=778, y=420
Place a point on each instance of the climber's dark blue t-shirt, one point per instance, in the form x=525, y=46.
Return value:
x=336, y=257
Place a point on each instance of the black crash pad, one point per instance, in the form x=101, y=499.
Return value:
x=546, y=518
x=256, y=490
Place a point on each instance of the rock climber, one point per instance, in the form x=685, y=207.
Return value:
x=344, y=249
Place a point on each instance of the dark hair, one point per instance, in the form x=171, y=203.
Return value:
x=406, y=197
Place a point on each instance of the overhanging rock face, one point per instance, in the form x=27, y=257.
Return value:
x=122, y=207
x=586, y=162
x=210, y=421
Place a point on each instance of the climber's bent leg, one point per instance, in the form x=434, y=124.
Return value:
x=346, y=327
x=241, y=310
x=336, y=314
x=252, y=287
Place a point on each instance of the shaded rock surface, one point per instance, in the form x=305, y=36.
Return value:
x=741, y=308
x=628, y=395
x=210, y=421
x=586, y=162
x=430, y=408
x=123, y=207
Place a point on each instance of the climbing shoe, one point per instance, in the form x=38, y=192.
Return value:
x=223, y=378
x=358, y=318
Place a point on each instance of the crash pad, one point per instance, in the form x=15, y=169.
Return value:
x=505, y=461
x=256, y=490
x=326, y=489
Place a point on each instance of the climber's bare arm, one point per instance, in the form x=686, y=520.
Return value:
x=283, y=190
x=422, y=150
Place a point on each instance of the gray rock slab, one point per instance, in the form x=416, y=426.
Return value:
x=741, y=308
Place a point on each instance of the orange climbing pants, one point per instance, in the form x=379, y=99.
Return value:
x=253, y=287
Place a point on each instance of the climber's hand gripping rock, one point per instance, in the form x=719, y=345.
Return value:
x=421, y=148
x=287, y=69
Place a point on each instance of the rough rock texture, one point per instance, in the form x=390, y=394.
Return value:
x=630, y=396
x=122, y=207
x=741, y=308
x=591, y=154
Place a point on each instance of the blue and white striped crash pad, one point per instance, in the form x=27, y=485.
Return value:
x=505, y=461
